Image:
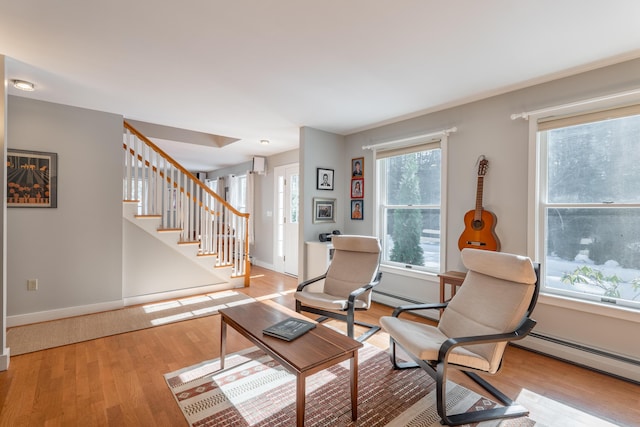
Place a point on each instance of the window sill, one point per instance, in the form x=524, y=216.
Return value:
x=416, y=274
x=616, y=312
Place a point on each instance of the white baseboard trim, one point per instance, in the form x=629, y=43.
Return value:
x=4, y=360
x=600, y=362
x=160, y=296
x=44, y=316
x=392, y=301
x=259, y=263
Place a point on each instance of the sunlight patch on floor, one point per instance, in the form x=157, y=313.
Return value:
x=167, y=305
x=551, y=413
x=170, y=319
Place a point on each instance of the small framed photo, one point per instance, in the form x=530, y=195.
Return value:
x=357, y=188
x=324, y=210
x=32, y=179
x=357, y=208
x=357, y=167
x=324, y=179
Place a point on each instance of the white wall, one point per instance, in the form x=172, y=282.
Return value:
x=74, y=250
x=4, y=352
x=319, y=149
x=151, y=266
x=485, y=128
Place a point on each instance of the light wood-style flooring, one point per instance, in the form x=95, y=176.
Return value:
x=118, y=380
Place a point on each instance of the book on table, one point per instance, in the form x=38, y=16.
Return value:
x=289, y=329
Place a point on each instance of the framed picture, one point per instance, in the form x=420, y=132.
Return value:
x=357, y=167
x=324, y=179
x=357, y=209
x=357, y=188
x=324, y=210
x=32, y=179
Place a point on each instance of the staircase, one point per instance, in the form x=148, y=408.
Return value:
x=162, y=197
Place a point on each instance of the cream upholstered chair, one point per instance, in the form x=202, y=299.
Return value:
x=352, y=274
x=491, y=308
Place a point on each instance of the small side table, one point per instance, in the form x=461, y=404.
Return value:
x=453, y=279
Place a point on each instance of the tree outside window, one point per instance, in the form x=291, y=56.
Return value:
x=590, y=202
x=410, y=209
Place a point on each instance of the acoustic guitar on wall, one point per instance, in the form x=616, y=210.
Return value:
x=479, y=224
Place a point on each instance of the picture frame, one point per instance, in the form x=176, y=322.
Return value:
x=357, y=188
x=324, y=179
x=357, y=210
x=32, y=179
x=324, y=210
x=357, y=167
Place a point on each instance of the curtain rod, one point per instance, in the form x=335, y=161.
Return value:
x=444, y=132
x=525, y=115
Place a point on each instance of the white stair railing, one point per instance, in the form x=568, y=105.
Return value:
x=165, y=189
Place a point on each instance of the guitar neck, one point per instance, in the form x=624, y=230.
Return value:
x=478, y=213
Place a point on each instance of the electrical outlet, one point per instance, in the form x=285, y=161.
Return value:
x=32, y=285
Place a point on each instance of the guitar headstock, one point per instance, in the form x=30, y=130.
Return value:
x=482, y=167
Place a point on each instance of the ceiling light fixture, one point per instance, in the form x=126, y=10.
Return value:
x=23, y=85
x=264, y=141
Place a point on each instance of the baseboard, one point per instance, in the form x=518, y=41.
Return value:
x=44, y=316
x=259, y=263
x=4, y=360
x=396, y=301
x=621, y=367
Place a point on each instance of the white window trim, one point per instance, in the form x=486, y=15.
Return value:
x=443, y=136
x=535, y=242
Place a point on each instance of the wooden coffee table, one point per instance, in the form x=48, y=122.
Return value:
x=314, y=351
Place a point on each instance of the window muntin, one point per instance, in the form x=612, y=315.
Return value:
x=410, y=204
x=589, y=202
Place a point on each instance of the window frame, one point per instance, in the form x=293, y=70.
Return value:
x=538, y=203
x=407, y=144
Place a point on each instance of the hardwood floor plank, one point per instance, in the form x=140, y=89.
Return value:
x=118, y=380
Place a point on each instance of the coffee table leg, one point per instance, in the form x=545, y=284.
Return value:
x=300, y=399
x=354, y=385
x=223, y=342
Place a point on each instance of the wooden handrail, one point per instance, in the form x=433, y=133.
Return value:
x=180, y=168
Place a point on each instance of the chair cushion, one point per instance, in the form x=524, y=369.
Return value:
x=424, y=341
x=493, y=298
x=326, y=301
x=514, y=268
x=356, y=243
x=355, y=264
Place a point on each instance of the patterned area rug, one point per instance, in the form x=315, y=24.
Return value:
x=56, y=333
x=253, y=390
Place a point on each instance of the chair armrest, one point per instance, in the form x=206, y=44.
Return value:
x=355, y=293
x=306, y=283
x=413, y=307
x=520, y=332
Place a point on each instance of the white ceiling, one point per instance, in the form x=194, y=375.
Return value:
x=255, y=70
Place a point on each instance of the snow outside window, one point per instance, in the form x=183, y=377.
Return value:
x=588, y=209
x=410, y=207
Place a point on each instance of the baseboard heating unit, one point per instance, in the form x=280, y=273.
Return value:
x=608, y=363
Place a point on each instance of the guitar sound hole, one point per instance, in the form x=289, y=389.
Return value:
x=477, y=225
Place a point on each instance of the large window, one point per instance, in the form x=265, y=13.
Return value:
x=588, y=226
x=409, y=205
x=238, y=192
